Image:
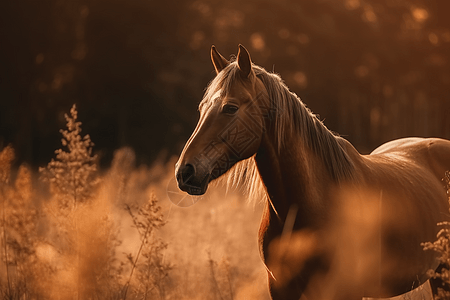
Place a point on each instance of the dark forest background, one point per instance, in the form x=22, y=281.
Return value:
x=374, y=70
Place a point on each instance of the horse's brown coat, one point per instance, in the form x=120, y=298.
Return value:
x=337, y=224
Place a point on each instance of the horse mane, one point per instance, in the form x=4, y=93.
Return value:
x=290, y=115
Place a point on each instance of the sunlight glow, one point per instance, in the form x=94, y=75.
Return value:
x=257, y=41
x=419, y=14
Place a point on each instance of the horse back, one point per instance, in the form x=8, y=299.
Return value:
x=430, y=153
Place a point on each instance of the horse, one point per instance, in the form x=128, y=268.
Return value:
x=336, y=224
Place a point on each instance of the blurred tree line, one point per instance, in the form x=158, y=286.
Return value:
x=375, y=70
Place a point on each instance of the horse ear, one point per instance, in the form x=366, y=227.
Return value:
x=218, y=60
x=244, y=62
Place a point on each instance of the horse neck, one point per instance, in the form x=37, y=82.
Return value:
x=294, y=179
x=297, y=174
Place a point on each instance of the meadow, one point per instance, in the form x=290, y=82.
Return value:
x=72, y=231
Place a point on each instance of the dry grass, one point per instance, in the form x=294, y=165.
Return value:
x=72, y=233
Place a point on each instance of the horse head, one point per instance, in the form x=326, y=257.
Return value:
x=231, y=124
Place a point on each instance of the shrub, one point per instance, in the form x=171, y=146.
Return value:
x=73, y=174
x=80, y=225
x=442, y=247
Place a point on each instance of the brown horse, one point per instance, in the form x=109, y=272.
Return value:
x=337, y=224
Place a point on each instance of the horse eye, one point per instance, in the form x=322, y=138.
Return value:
x=230, y=109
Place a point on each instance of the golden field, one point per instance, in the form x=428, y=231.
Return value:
x=74, y=232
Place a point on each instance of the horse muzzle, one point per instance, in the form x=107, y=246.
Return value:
x=191, y=180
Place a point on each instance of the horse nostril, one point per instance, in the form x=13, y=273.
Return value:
x=187, y=172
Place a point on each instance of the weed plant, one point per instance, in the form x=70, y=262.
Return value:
x=442, y=247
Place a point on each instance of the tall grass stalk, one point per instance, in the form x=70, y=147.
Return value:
x=212, y=265
x=5, y=249
x=134, y=263
x=152, y=271
x=6, y=158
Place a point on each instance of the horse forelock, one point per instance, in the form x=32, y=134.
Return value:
x=221, y=83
